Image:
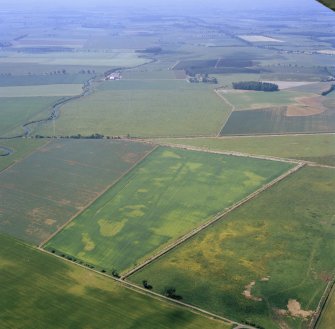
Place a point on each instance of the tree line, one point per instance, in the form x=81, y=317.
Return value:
x=255, y=85
x=328, y=91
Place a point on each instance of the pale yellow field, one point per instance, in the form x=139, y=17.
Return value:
x=41, y=90
x=258, y=38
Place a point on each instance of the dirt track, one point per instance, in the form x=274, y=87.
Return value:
x=233, y=108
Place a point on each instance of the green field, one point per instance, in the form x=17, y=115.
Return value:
x=170, y=193
x=259, y=100
x=274, y=121
x=144, y=108
x=327, y=319
x=20, y=148
x=41, y=90
x=39, y=291
x=16, y=111
x=110, y=59
x=282, y=240
x=49, y=78
x=316, y=148
x=47, y=188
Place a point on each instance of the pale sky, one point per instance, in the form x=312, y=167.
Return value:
x=227, y=4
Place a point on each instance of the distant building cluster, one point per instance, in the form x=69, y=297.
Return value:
x=202, y=78
x=114, y=76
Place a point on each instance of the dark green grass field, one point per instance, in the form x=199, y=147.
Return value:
x=43, y=191
x=167, y=195
x=274, y=121
x=16, y=111
x=316, y=148
x=39, y=291
x=283, y=241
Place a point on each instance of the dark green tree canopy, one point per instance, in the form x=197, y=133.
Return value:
x=329, y=3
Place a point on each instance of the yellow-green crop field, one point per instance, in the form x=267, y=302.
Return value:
x=41, y=291
x=171, y=192
x=267, y=262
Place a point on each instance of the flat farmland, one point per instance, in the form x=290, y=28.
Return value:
x=316, y=148
x=66, y=176
x=57, y=294
x=15, y=111
x=327, y=319
x=276, y=121
x=41, y=90
x=251, y=100
x=110, y=59
x=166, y=196
x=47, y=78
x=144, y=108
x=267, y=262
x=19, y=148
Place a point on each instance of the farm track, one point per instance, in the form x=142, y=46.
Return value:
x=232, y=153
x=97, y=197
x=146, y=292
x=242, y=154
x=218, y=217
x=233, y=108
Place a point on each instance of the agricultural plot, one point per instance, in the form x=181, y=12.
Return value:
x=316, y=148
x=166, y=196
x=259, y=38
x=251, y=100
x=110, y=59
x=65, y=176
x=144, y=108
x=15, y=111
x=41, y=90
x=56, y=295
x=266, y=263
x=18, y=149
x=277, y=121
x=47, y=78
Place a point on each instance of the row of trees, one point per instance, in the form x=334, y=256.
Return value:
x=79, y=136
x=326, y=92
x=255, y=85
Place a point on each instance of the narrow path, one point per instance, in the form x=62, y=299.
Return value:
x=218, y=217
x=233, y=108
x=233, y=153
x=242, y=154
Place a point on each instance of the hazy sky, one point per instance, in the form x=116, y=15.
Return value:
x=223, y=4
x=218, y=3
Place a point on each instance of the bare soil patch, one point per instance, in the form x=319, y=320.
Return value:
x=306, y=106
x=247, y=292
x=49, y=221
x=294, y=309
x=290, y=84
